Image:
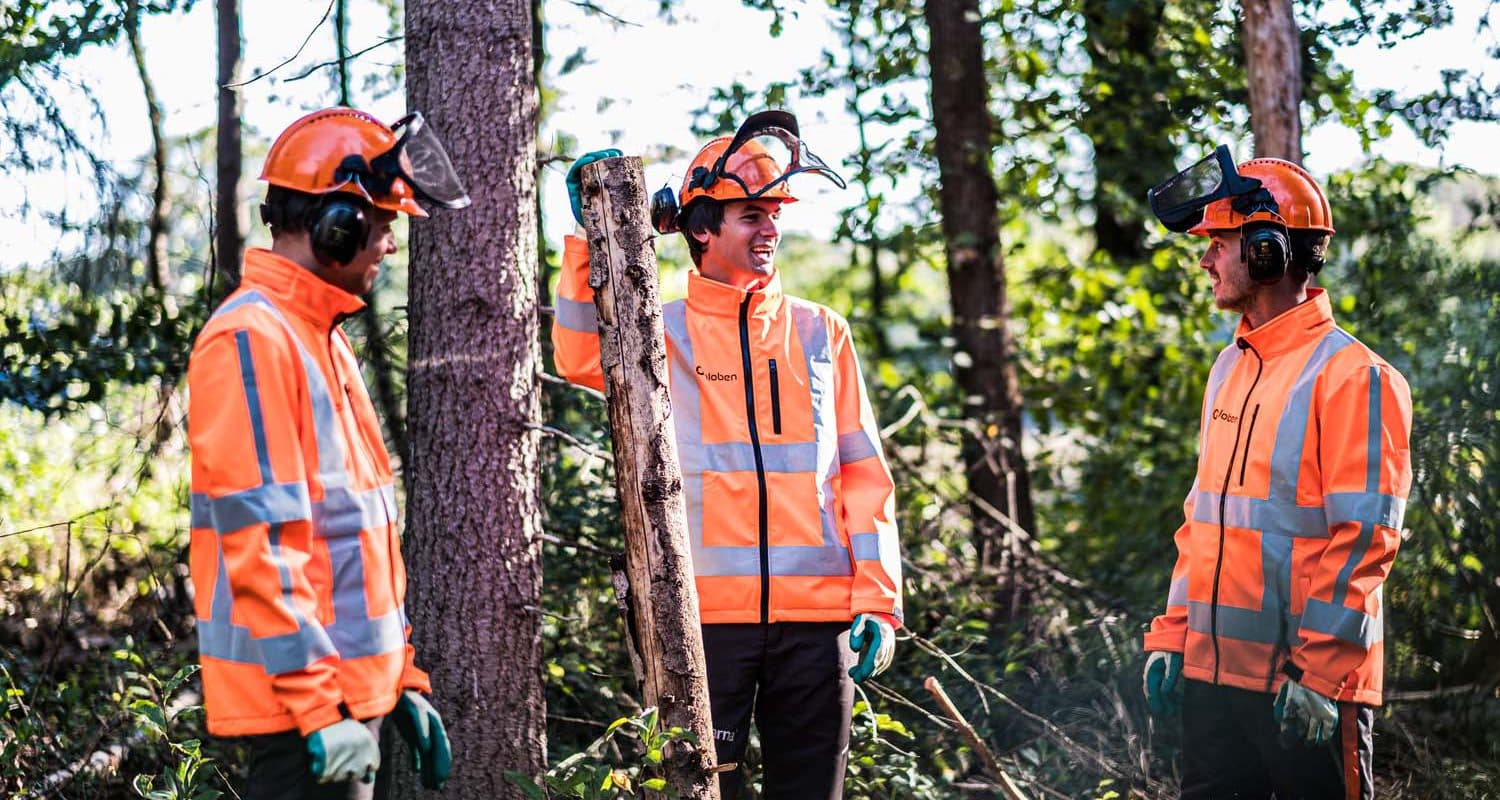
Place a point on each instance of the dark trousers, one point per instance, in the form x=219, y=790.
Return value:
x=1230, y=750
x=281, y=769
x=793, y=676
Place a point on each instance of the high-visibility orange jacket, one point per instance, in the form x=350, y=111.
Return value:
x=296, y=561
x=790, y=501
x=1295, y=516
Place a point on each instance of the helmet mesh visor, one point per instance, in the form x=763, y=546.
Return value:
x=431, y=172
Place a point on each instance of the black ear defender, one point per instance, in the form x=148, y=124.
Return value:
x=1265, y=251
x=664, y=210
x=338, y=229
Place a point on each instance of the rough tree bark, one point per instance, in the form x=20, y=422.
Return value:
x=229, y=240
x=156, y=229
x=633, y=352
x=1273, y=55
x=473, y=541
x=985, y=353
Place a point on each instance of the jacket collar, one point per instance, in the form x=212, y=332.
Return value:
x=1307, y=321
x=296, y=289
x=708, y=296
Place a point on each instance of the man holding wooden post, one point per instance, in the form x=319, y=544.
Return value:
x=774, y=428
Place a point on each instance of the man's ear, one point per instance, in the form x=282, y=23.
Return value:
x=701, y=237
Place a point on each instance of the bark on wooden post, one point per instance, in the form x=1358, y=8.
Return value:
x=633, y=352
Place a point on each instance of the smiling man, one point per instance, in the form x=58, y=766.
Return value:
x=797, y=565
x=296, y=559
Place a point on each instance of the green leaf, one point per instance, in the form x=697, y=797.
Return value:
x=525, y=784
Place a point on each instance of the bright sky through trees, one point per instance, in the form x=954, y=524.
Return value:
x=635, y=90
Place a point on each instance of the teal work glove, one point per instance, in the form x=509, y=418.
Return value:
x=422, y=728
x=344, y=751
x=1306, y=717
x=575, y=179
x=1163, y=682
x=874, y=640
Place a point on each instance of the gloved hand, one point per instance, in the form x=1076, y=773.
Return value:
x=344, y=751
x=1163, y=682
x=422, y=728
x=874, y=639
x=575, y=180
x=1306, y=717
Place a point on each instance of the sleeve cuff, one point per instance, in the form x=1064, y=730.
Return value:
x=310, y=722
x=414, y=678
x=1311, y=680
x=884, y=616
x=1165, y=641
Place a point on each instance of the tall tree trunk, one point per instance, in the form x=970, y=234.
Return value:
x=229, y=240
x=985, y=353
x=1124, y=113
x=341, y=47
x=1273, y=56
x=156, y=245
x=473, y=540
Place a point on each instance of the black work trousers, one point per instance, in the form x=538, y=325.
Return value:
x=794, y=677
x=1230, y=750
x=281, y=769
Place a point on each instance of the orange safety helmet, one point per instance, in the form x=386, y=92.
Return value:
x=754, y=170
x=1297, y=202
x=740, y=167
x=344, y=150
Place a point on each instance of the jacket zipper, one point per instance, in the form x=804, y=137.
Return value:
x=1213, y=612
x=760, y=467
x=775, y=400
x=1249, y=437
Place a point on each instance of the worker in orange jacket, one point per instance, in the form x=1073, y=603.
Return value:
x=774, y=429
x=295, y=558
x=1271, y=643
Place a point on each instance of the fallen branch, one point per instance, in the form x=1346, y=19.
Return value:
x=986, y=758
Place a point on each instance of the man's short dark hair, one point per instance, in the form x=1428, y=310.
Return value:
x=702, y=216
x=290, y=211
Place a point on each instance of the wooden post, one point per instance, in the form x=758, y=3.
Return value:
x=633, y=352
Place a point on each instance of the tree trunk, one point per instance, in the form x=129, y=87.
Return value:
x=156, y=229
x=1273, y=55
x=229, y=240
x=1124, y=113
x=473, y=542
x=985, y=354
x=341, y=47
x=633, y=352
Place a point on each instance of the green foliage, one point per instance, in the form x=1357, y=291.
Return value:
x=593, y=774
x=62, y=348
x=1436, y=316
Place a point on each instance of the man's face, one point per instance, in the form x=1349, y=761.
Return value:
x=1233, y=289
x=743, y=252
x=358, y=276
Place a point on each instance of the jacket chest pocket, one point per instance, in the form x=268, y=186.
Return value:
x=775, y=399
